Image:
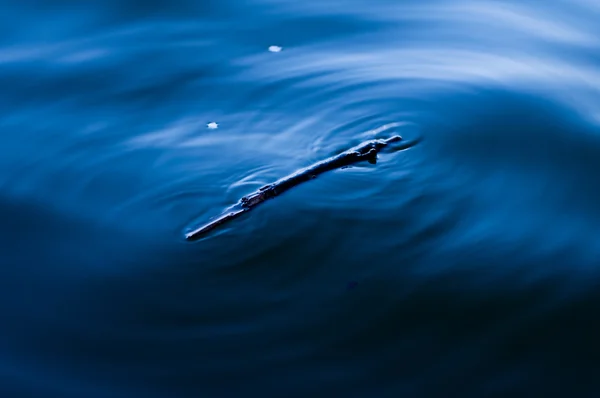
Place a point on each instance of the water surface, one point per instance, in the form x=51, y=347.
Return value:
x=464, y=266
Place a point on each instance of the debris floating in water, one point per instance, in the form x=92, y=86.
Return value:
x=367, y=151
x=275, y=49
x=212, y=125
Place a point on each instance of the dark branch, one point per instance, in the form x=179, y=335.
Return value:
x=365, y=151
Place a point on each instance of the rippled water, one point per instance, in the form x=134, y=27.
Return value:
x=465, y=266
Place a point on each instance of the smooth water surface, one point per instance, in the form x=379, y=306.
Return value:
x=465, y=266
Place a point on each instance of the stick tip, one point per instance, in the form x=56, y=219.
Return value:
x=394, y=138
x=189, y=236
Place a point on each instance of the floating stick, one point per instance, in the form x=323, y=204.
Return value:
x=366, y=151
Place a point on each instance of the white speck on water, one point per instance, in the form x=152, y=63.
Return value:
x=275, y=49
x=212, y=125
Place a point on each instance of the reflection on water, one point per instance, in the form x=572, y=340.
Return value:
x=472, y=253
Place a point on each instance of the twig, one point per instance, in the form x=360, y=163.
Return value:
x=365, y=151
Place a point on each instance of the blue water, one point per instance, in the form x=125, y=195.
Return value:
x=464, y=266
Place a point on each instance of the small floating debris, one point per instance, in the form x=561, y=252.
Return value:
x=275, y=49
x=212, y=125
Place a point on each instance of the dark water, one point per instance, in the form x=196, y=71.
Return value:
x=465, y=266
